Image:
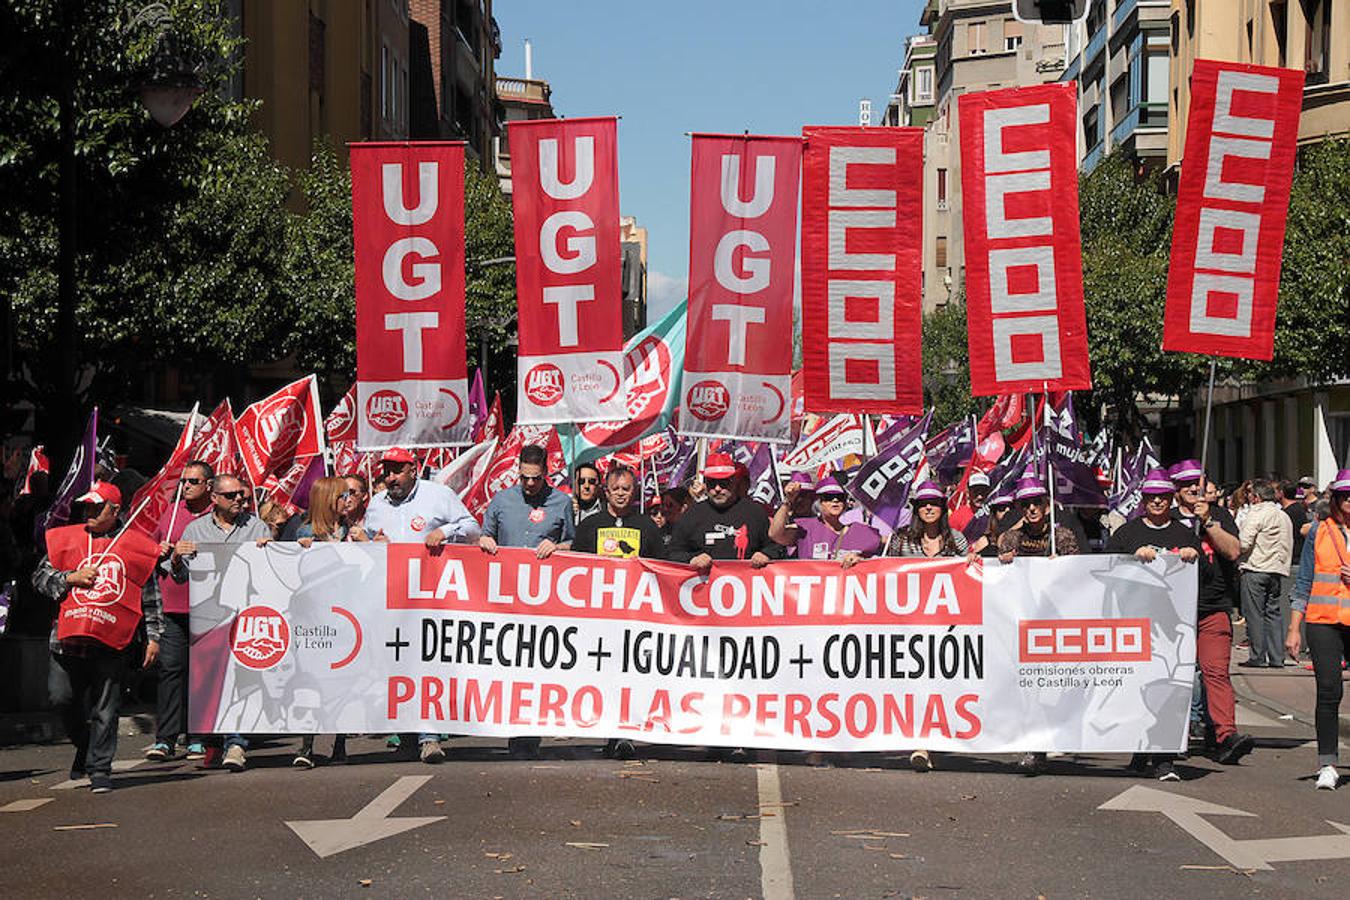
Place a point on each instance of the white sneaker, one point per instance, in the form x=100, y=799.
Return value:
x=1327, y=778
x=235, y=760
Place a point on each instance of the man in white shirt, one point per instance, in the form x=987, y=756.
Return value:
x=1266, y=536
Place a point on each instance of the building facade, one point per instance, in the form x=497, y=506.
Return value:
x=911, y=104
x=633, y=244
x=454, y=47
x=521, y=99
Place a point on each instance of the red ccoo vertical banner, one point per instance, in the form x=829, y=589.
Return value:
x=565, y=193
x=1026, y=323
x=1232, y=205
x=862, y=260
x=408, y=229
x=742, y=253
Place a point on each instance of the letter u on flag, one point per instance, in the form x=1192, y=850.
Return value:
x=862, y=258
x=1024, y=271
x=408, y=230
x=1232, y=205
x=565, y=194
x=742, y=252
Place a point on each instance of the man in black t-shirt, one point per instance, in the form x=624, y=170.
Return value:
x=728, y=525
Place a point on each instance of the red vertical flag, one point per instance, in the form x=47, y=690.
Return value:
x=1024, y=272
x=862, y=258
x=408, y=228
x=742, y=252
x=565, y=193
x=1232, y=205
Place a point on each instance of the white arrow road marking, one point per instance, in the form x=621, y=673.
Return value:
x=775, y=879
x=1187, y=814
x=329, y=836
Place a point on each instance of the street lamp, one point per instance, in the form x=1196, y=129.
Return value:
x=170, y=84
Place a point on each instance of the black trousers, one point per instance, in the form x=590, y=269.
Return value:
x=88, y=691
x=1328, y=644
x=171, y=712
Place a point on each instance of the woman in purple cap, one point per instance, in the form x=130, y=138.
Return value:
x=1321, y=596
x=824, y=536
x=1002, y=516
x=1031, y=537
x=927, y=536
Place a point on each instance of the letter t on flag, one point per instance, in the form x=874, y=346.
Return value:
x=565, y=194
x=408, y=231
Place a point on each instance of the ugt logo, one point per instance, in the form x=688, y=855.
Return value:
x=544, y=384
x=708, y=400
x=386, y=410
x=259, y=637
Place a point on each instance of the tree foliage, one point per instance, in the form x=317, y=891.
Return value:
x=946, y=363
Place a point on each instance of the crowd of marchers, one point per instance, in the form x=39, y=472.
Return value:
x=1272, y=554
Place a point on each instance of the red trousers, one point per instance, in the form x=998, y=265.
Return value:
x=1213, y=652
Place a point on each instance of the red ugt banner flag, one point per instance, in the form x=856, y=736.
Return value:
x=277, y=430
x=565, y=193
x=1026, y=324
x=742, y=251
x=1232, y=204
x=408, y=228
x=862, y=257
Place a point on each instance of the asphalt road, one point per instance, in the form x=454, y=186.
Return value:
x=574, y=824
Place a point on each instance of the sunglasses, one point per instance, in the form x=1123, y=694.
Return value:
x=531, y=478
x=719, y=482
x=922, y=503
x=192, y=481
x=231, y=495
x=588, y=480
x=832, y=498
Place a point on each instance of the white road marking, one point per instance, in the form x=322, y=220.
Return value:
x=775, y=879
x=329, y=836
x=1188, y=815
x=28, y=805
x=119, y=765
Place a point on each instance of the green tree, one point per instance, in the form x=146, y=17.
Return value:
x=946, y=363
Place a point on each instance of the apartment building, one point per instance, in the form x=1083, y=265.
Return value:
x=911, y=103
x=455, y=45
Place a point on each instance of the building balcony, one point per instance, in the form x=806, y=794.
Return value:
x=1071, y=73
x=1124, y=8
x=1142, y=115
x=523, y=90
x=1094, y=47
x=1094, y=156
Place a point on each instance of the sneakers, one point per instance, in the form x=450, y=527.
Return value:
x=159, y=751
x=195, y=750
x=920, y=761
x=1165, y=771
x=100, y=784
x=235, y=759
x=1328, y=778
x=1032, y=763
x=1234, y=747
x=431, y=752
x=303, y=760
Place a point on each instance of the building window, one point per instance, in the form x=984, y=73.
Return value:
x=1012, y=35
x=923, y=86
x=1012, y=42
x=975, y=38
x=941, y=188
x=1092, y=128
x=940, y=252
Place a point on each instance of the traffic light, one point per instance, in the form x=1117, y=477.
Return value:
x=1050, y=12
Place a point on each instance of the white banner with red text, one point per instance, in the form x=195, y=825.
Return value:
x=408, y=232
x=565, y=195
x=1091, y=653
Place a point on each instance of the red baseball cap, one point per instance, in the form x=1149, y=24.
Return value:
x=720, y=465
x=397, y=455
x=101, y=492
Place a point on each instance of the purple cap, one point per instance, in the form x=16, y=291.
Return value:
x=803, y=479
x=1030, y=488
x=1002, y=497
x=1186, y=471
x=927, y=490
x=1342, y=481
x=1157, y=482
x=828, y=486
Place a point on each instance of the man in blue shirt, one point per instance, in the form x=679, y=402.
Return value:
x=410, y=511
x=530, y=513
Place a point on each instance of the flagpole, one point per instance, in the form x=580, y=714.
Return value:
x=1209, y=405
x=178, y=493
x=1049, y=471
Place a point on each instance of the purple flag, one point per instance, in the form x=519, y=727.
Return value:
x=950, y=455
x=478, y=403
x=1124, y=501
x=78, y=478
x=764, y=486
x=881, y=485
x=671, y=465
x=897, y=427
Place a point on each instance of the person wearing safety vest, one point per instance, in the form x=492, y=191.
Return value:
x=1321, y=598
x=105, y=586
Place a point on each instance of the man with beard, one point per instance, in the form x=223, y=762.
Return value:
x=410, y=510
x=728, y=525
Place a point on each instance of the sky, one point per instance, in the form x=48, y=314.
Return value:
x=769, y=66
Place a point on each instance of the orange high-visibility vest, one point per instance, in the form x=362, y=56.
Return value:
x=1329, y=598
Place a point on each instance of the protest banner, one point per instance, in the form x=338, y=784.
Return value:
x=1024, y=274
x=834, y=440
x=1232, y=205
x=862, y=262
x=1078, y=654
x=742, y=251
x=565, y=195
x=408, y=234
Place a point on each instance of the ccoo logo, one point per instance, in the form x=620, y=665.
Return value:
x=259, y=637
x=386, y=410
x=708, y=400
x=544, y=384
